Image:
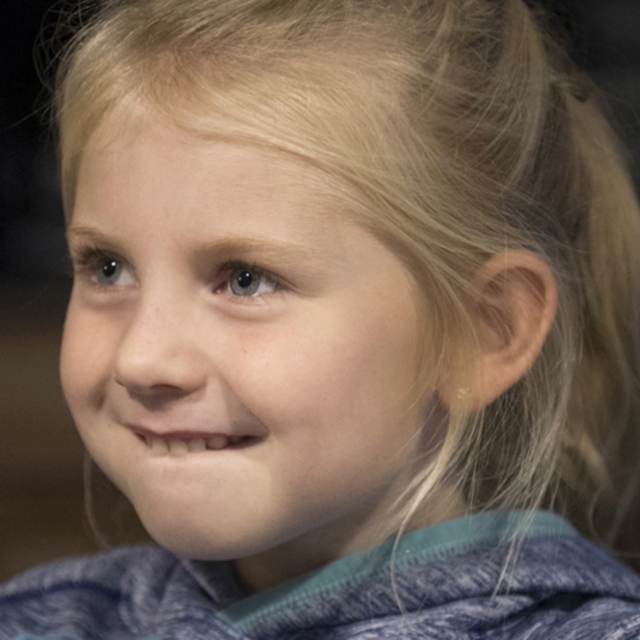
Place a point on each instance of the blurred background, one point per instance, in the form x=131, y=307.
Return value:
x=41, y=504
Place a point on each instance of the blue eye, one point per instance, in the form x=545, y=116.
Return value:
x=111, y=272
x=247, y=282
x=108, y=272
x=101, y=268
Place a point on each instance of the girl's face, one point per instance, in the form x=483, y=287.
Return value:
x=238, y=356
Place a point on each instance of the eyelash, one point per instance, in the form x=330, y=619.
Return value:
x=86, y=260
x=237, y=265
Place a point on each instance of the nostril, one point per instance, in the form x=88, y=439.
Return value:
x=154, y=399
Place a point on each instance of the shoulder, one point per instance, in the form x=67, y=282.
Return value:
x=555, y=587
x=102, y=572
x=579, y=590
x=95, y=590
x=560, y=587
x=563, y=588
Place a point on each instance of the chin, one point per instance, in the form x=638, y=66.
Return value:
x=196, y=536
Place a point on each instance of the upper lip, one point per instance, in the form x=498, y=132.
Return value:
x=176, y=434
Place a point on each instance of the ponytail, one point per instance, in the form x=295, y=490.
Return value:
x=603, y=428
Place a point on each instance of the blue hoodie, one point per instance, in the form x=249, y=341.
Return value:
x=460, y=579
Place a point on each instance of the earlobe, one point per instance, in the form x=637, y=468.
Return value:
x=514, y=311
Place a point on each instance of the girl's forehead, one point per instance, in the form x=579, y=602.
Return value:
x=140, y=170
x=145, y=139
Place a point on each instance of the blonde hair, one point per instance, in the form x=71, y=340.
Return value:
x=461, y=130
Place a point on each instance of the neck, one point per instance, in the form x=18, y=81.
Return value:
x=338, y=539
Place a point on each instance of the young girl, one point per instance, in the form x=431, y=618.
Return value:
x=353, y=326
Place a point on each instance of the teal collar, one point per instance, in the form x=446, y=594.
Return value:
x=419, y=547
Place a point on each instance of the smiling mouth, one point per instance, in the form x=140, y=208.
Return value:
x=182, y=447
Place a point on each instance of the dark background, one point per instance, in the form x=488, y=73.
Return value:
x=41, y=512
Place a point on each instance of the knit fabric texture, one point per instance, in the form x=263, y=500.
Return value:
x=497, y=575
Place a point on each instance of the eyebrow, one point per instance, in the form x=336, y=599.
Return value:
x=91, y=235
x=257, y=249
x=285, y=254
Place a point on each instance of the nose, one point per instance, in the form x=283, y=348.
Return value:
x=157, y=354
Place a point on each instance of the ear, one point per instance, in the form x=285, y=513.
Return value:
x=514, y=311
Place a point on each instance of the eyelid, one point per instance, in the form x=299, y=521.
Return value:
x=83, y=254
x=86, y=259
x=233, y=265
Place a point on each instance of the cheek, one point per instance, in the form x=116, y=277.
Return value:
x=333, y=372
x=84, y=360
x=335, y=395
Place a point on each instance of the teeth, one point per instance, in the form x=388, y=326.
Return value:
x=158, y=447
x=179, y=448
x=217, y=442
x=197, y=446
